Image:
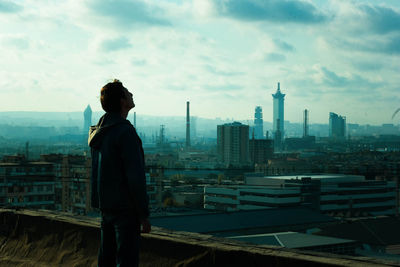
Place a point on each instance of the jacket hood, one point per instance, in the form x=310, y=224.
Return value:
x=107, y=121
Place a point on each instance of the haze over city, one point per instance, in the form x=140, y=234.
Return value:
x=226, y=57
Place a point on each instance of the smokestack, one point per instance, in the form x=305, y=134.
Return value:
x=187, y=124
x=305, y=124
x=279, y=86
x=134, y=119
x=27, y=150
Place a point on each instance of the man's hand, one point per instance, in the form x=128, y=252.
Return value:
x=146, y=226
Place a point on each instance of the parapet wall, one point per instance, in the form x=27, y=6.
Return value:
x=44, y=238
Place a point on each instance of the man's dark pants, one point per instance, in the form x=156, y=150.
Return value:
x=120, y=240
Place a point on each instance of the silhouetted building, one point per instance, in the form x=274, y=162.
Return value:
x=337, y=125
x=260, y=150
x=258, y=123
x=87, y=114
x=278, y=112
x=233, y=143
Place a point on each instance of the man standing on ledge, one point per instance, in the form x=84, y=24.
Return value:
x=118, y=183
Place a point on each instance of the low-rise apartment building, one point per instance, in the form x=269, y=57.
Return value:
x=26, y=184
x=336, y=195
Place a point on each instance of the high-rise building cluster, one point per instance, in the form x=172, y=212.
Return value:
x=229, y=144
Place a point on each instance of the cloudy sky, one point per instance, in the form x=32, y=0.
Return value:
x=225, y=56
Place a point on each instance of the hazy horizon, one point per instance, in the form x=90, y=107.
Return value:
x=78, y=116
x=225, y=57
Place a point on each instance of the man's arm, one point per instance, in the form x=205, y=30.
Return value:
x=133, y=163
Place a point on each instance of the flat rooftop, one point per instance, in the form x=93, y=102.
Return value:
x=324, y=178
x=237, y=222
x=292, y=240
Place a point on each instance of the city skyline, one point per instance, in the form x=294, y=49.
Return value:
x=225, y=57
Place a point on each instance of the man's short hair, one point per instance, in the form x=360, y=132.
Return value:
x=110, y=96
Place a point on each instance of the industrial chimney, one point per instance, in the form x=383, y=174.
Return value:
x=187, y=124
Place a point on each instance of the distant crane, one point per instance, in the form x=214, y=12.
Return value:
x=394, y=114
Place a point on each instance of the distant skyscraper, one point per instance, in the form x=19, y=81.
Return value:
x=187, y=124
x=87, y=115
x=337, y=125
x=278, y=113
x=258, y=123
x=233, y=143
x=305, y=124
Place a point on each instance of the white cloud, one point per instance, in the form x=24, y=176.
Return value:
x=171, y=51
x=204, y=8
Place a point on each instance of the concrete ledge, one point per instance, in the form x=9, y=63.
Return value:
x=45, y=238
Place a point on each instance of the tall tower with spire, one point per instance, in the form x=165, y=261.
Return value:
x=278, y=112
x=87, y=115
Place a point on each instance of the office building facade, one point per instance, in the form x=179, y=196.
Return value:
x=26, y=184
x=337, y=125
x=336, y=195
x=260, y=150
x=233, y=143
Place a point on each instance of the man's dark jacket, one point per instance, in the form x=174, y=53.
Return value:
x=118, y=176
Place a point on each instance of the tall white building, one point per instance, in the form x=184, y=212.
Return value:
x=87, y=115
x=278, y=113
x=258, y=123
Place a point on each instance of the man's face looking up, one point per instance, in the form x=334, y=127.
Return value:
x=127, y=102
